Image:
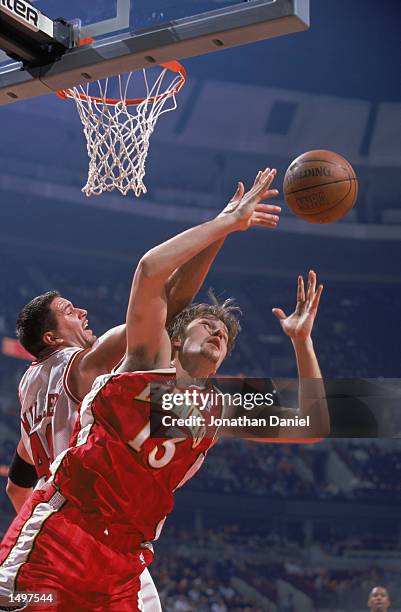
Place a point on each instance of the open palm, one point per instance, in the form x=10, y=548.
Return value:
x=299, y=324
x=248, y=208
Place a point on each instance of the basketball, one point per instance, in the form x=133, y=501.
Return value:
x=320, y=186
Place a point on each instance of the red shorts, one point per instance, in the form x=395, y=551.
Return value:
x=49, y=548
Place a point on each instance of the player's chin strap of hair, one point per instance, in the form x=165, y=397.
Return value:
x=22, y=474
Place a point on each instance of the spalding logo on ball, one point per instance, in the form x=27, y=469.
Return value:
x=320, y=186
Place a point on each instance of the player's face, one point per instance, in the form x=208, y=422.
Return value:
x=205, y=345
x=379, y=600
x=72, y=323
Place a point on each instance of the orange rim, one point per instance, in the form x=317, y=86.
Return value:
x=173, y=66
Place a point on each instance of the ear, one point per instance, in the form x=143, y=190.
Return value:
x=50, y=338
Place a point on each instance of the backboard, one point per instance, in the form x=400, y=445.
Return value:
x=132, y=34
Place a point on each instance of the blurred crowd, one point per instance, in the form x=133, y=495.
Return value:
x=225, y=574
x=296, y=471
x=347, y=343
x=186, y=584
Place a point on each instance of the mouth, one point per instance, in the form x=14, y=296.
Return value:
x=85, y=327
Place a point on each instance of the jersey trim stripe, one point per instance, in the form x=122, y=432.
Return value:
x=19, y=554
x=86, y=419
x=67, y=373
x=41, y=361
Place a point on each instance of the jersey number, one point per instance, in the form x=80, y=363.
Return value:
x=168, y=447
x=42, y=451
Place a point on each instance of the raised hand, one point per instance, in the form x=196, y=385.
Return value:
x=248, y=210
x=299, y=324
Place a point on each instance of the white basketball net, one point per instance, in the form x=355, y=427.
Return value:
x=118, y=131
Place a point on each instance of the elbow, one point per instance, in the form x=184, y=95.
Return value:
x=11, y=490
x=146, y=268
x=17, y=495
x=153, y=267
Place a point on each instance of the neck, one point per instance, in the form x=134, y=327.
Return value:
x=192, y=376
x=45, y=353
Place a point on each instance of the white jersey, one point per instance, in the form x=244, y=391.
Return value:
x=48, y=407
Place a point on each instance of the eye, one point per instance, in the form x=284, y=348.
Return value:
x=225, y=336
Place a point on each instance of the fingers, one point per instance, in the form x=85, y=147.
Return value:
x=267, y=177
x=238, y=195
x=261, y=222
x=264, y=179
x=267, y=216
x=268, y=208
x=264, y=215
x=311, y=300
x=311, y=286
x=316, y=298
x=279, y=314
x=300, y=289
x=257, y=178
x=268, y=193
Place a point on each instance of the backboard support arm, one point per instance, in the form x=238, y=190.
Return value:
x=183, y=38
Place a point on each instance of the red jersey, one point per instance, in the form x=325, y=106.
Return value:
x=115, y=472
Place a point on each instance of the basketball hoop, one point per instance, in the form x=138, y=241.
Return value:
x=118, y=129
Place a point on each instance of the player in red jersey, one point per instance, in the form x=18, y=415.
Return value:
x=68, y=359
x=111, y=490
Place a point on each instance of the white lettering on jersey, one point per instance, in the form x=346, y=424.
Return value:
x=48, y=408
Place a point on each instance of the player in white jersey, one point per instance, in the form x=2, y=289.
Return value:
x=48, y=407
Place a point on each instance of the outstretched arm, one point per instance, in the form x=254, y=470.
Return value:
x=186, y=281
x=312, y=397
x=181, y=287
x=298, y=327
x=147, y=308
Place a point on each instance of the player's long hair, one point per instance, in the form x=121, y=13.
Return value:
x=226, y=311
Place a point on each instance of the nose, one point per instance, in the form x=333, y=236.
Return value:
x=218, y=332
x=82, y=313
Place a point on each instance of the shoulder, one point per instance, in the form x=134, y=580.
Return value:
x=59, y=356
x=139, y=378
